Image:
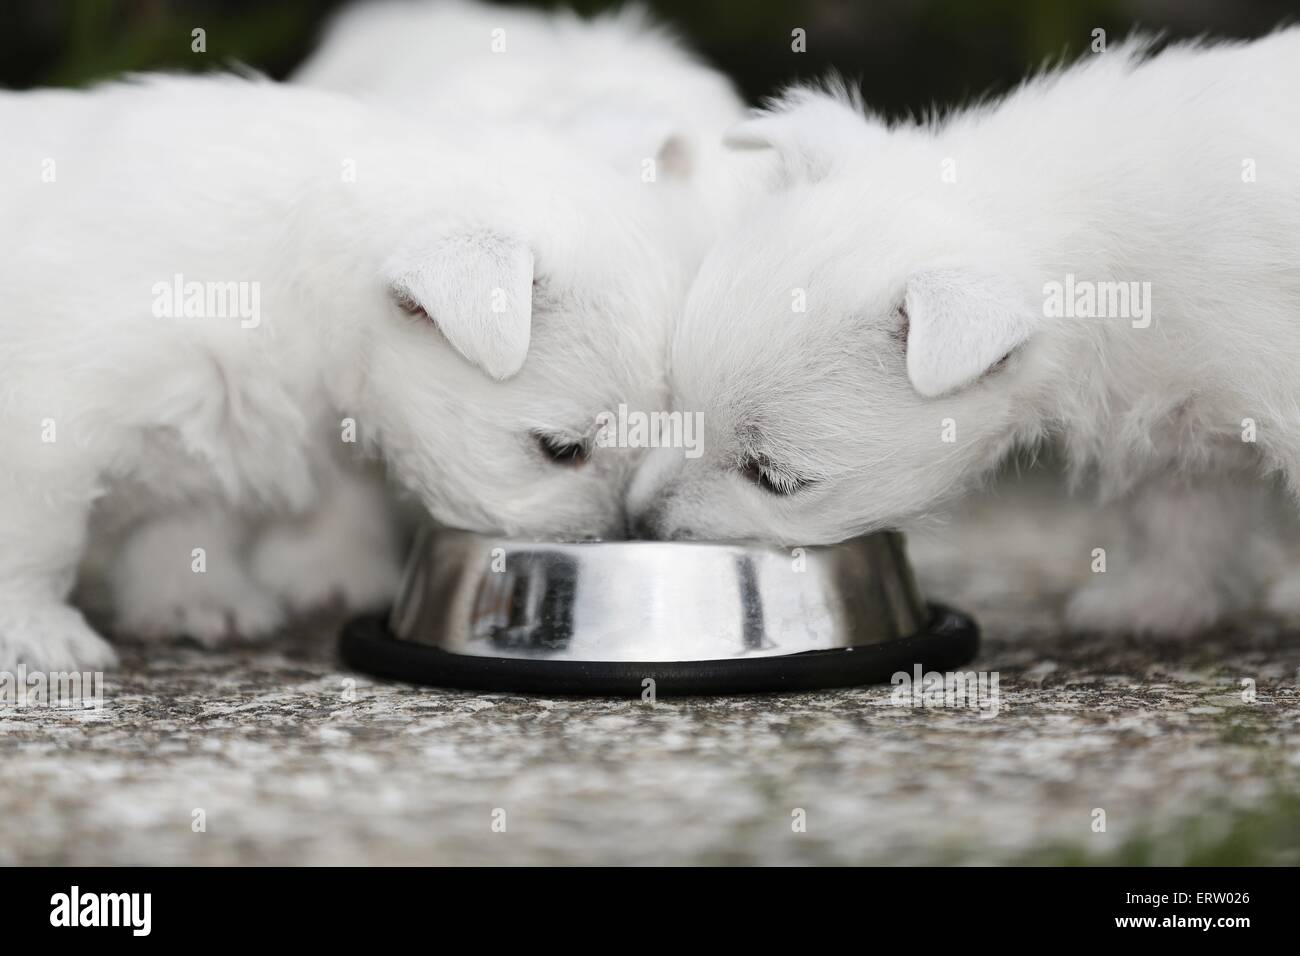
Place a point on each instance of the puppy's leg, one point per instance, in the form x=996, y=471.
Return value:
x=348, y=547
x=1282, y=596
x=1182, y=564
x=184, y=573
x=43, y=530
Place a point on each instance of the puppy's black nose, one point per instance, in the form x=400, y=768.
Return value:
x=645, y=524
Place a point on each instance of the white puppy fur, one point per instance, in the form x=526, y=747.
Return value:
x=929, y=255
x=619, y=83
x=470, y=306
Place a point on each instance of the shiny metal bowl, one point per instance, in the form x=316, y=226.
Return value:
x=491, y=613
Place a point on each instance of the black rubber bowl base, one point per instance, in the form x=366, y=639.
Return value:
x=949, y=639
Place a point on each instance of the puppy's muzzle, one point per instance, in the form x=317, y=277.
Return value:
x=653, y=524
x=644, y=525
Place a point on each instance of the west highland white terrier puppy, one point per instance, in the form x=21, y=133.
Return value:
x=1108, y=255
x=616, y=90
x=619, y=84
x=214, y=288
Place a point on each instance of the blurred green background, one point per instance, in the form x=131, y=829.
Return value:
x=908, y=55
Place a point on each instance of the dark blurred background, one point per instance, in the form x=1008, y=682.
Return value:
x=908, y=54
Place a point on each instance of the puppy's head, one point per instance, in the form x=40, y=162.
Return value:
x=854, y=349
x=506, y=335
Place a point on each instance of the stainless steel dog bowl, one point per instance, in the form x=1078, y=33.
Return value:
x=606, y=617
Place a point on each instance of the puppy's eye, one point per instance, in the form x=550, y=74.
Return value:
x=759, y=471
x=562, y=451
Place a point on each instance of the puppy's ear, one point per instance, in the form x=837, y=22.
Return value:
x=671, y=153
x=629, y=138
x=478, y=289
x=811, y=130
x=675, y=157
x=960, y=325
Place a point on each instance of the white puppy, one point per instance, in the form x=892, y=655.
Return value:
x=615, y=89
x=211, y=285
x=618, y=84
x=1109, y=254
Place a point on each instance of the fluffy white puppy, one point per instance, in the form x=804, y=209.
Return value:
x=616, y=90
x=613, y=90
x=211, y=285
x=1108, y=254
x=619, y=84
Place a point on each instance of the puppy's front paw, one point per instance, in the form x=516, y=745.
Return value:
x=308, y=573
x=50, y=637
x=1157, y=606
x=164, y=586
x=210, y=609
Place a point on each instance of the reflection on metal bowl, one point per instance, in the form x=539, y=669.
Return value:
x=606, y=617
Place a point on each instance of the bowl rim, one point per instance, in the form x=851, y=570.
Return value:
x=743, y=544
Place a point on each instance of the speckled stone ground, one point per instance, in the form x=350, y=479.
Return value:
x=285, y=757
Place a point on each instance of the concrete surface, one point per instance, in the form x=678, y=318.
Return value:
x=284, y=757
